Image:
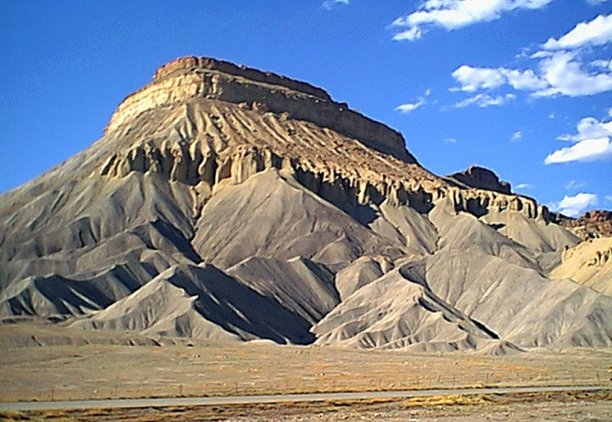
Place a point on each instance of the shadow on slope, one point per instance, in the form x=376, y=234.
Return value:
x=299, y=284
x=210, y=304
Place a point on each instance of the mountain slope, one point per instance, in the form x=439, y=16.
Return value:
x=227, y=203
x=201, y=301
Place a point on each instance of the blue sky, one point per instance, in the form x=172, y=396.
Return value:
x=520, y=86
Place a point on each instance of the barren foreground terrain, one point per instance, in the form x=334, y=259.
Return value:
x=570, y=406
x=48, y=362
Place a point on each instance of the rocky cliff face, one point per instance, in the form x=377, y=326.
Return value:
x=481, y=178
x=590, y=225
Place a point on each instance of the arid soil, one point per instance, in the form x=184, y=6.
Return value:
x=571, y=406
x=75, y=364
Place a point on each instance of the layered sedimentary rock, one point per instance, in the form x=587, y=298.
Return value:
x=298, y=124
x=227, y=203
x=194, y=77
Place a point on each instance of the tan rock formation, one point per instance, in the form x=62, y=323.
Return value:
x=231, y=204
x=300, y=128
x=588, y=263
x=193, y=77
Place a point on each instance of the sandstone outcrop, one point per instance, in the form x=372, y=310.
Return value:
x=481, y=178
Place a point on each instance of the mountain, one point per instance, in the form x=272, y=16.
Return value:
x=231, y=204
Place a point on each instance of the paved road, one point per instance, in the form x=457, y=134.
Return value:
x=312, y=397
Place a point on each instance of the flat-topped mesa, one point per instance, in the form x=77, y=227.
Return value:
x=230, y=98
x=193, y=78
x=190, y=64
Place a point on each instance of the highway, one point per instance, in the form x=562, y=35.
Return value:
x=309, y=397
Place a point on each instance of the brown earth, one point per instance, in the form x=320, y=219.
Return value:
x=75, y=364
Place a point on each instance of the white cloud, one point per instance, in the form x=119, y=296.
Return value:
x=589, y=128
x=411, y=34
x=454, y=14
x=329, y=4
x=410, y=107
x=560, y=69
x=609, y=198
x=592, y=142
x=517, y=136
x=475, y=78
x=560, y=74
x=565, y=76
x=596, y=2
x=524, y=186
x=524, y=80
x=587, y=150
x=602, y=64
x=573, y=206
x=450, y=141
x=485, y=100
x=572, y=184
x=596, y=32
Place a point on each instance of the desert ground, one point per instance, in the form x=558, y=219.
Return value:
x=577, y=406
x=48, y=362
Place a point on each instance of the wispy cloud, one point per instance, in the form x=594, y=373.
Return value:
x=525, y=186
x=559, y=70
x=602, y=64
x=572, y=185
x=410, y=107
x=516, y=136
x=455, y=14
x=596, y=2
x=329, y=4
x=573, y=206
x=450, y=141
x=485, y=100
x=592, y=142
